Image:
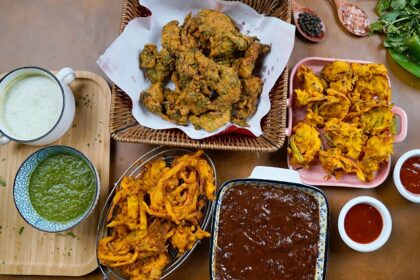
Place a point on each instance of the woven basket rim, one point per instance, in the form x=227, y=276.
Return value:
x=124, y=128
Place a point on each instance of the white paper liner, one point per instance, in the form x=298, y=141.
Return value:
x=120, y=61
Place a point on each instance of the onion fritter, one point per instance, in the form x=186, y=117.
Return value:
x=162, y=208
x=304, y=145
x=350, y=105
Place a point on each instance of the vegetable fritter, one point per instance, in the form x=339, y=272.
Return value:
x=159, y=210
x=350, y=105
x=304, y=144
x=212, y=66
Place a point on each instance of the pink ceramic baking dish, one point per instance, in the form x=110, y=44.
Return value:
x=315, y=175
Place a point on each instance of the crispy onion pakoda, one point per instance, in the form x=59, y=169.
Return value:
x=160, y=209
x=348, y=107
x=304, y=144
x=212, y=66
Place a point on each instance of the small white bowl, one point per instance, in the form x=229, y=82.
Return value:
x=397, y=180
x=386, y=228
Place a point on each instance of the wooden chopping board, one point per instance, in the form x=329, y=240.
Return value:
x=25, y=250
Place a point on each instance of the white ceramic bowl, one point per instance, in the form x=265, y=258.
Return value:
x=397, y=180
x=386, y=228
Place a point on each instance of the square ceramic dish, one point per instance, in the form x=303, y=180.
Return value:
x=289, y=181
x=315, y=174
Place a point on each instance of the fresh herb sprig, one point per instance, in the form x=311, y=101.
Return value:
x=400, y=21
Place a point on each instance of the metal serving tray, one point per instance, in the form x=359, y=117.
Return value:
x=135, y=170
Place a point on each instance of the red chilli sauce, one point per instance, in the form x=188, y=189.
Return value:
x=410, y=175
x=363, y=223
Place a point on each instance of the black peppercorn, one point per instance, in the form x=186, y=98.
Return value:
x=310, y=24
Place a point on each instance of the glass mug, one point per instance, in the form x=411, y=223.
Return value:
x=36, y=106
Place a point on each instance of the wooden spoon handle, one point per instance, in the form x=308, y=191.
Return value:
x=296, y=6
x=337, y=3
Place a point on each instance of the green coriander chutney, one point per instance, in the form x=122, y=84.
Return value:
x=62, y=187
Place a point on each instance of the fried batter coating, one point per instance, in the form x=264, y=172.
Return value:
x=346, y=136
x=185, y=237
x=309, y=80
x=252, y=88
x=336, y=70
x=171, y=37
x=344, y=84
x=337, y=165
x=368, y=69
x=157, y=66
x=334, y=105
x=378, y=120
x=212, y=120
x=376, y=151
x=211, y=64
x=304, y=145
x=220, y=31
x=374, y=88
x=246, y=64
x=152, y=98
x=353, y=112
x=306, y=97
x=163, y=207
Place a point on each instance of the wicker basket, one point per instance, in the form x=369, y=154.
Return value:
x=123, y=126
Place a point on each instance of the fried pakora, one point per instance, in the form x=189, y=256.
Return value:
x=310, y=82
x=162, y=208
x=304, y=145
x=333, y=161
x=335, y=105
x=376, y=152
x=345, y=136
x=212, y=66
x=351, y=105
x=307, y=97
x=336, y=70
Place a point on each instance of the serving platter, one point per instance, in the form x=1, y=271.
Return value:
x=315, y=174
x=135, y=170
x=25, y=250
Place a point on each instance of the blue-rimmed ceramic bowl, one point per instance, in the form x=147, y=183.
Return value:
x=21, y=191
x=276, y=178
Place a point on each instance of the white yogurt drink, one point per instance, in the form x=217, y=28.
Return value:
x=31, y=106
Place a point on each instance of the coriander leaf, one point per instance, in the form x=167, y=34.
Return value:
x=398, y=4
x=382, y=6
x=398, y=44
x=415, y=3
x=376, y=27
x=389, y=17
x=392, y=29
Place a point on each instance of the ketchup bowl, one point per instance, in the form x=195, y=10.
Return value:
x=407, y=175
x=364, y=224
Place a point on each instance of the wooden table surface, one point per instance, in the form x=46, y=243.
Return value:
x=58, y=33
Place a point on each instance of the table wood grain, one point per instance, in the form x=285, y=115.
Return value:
x=57, y=33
